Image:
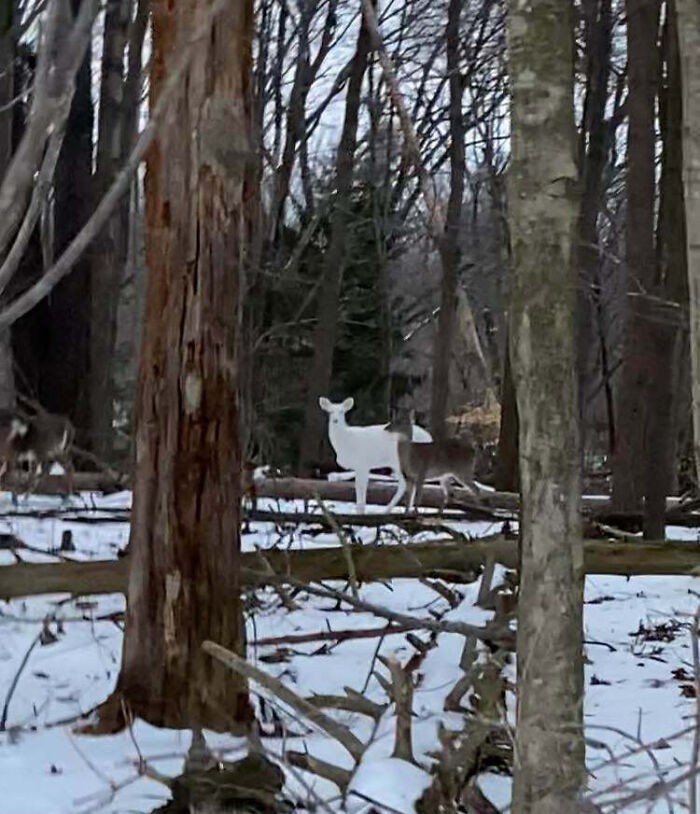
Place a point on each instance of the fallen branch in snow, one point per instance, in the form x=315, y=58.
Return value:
x=337, y=731
x=400, y=690
x=352, y=701
x=498, y=634
x=437, y=558
x=303, y=760
x=331, y=635
x=15, y=680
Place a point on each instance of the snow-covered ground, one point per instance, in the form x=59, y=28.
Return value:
x=639, y=682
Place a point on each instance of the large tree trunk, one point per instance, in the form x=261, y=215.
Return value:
x=630, y=459
x=450, y=251
x=184, y=583
x=65, y=370
x=321, y=367
x=109, y=249
x=688, y=13
x=549, y=772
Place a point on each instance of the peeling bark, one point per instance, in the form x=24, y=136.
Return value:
x=184, y=581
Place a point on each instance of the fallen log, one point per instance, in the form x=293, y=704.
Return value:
x=410, y=522
x=56, y=484
x=492, y=505
x=439, y=558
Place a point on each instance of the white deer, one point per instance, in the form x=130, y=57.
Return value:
x=365, y=448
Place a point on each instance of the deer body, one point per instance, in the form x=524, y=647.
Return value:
x=39, y=441
x=365, y=448
x=452, y=458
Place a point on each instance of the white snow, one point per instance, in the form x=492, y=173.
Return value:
x=634, y=708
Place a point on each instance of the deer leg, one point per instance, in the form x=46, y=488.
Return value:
x=68, y=472
x=417, y=493
x=361, y=481
x=445, y=487
x=411, y=496
x=35, y=475
x=400, y=489
x=3, y=471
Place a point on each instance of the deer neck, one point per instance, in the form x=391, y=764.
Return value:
x=337, y=434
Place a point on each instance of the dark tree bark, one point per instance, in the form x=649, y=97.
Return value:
x=668, y=381
x=321, y=367
x=450, y=251
x=65, y=370
x=630, y=461
x=7, y=92
x=109, y=250
x=543, y=205
x=184, y=584
x=594, y=153
x=507, y=476
x=688, y=28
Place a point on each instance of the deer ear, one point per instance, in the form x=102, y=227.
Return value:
x=348, y=404
x=325, y=404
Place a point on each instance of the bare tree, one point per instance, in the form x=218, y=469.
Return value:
x=450, y=252
x=61, y=52
x=184, y=584
x=543, y=208
x=320, y=370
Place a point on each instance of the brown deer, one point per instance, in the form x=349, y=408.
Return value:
x=46, y=439
x=438, y=460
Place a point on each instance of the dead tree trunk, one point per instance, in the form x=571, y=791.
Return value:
x=321, y=367
x=549, y=772
x=630, y=460
x=689, y=46
x=450, y=252
x=184, y=582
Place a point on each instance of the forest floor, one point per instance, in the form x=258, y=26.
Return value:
x=639, y=706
